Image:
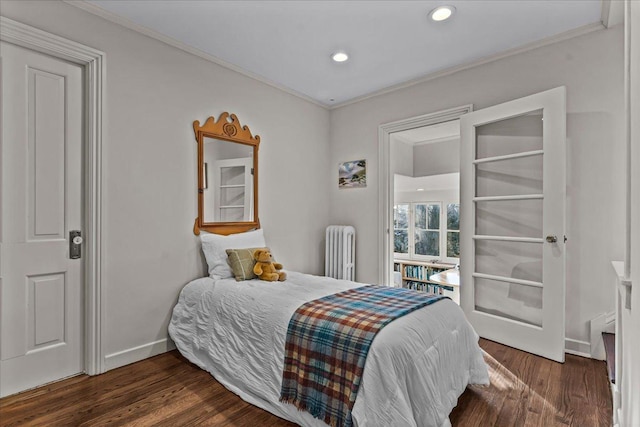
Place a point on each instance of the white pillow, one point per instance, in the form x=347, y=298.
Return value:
x=214, y=247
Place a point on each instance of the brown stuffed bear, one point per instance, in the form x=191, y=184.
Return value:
x=265, y=268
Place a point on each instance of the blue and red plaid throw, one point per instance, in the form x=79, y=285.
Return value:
x=327, y=344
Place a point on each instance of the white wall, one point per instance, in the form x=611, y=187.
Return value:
x=154, y=92
x=591, y=68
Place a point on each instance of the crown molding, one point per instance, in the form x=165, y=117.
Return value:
x=124, y=22
x=576, y=32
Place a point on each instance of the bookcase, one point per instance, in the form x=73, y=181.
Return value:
x=416, y=275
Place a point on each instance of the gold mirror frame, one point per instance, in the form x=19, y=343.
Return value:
x=231, y=131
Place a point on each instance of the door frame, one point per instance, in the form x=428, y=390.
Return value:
x=93, y=63
x=385, y=178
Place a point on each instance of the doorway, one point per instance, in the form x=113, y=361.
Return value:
x=440, y=136
x=425, y=162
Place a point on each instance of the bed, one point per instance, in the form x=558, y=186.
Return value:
x=416, y=368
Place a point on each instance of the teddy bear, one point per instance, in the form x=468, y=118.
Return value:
x=265, y=268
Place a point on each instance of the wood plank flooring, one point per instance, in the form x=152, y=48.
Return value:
x=167, y=390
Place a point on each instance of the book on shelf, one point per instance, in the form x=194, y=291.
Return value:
x=431, y=288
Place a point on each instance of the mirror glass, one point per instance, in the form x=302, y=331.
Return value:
x=228, y=181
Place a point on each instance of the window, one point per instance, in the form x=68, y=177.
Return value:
x=453, y=230
x=401, y=229
x=424, y=230
x=427, y=229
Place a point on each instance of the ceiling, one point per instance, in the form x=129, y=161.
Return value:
x=289, y=43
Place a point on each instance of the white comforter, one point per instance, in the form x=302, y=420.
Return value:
x=416, y=369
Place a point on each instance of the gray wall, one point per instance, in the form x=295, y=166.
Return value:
x=591, y=68
x=154, y=92
x=436, y=158
x=401, y=157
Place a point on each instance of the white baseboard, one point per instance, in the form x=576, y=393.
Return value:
x=135, y=354
x=577, y=347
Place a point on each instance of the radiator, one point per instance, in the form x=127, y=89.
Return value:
x=340, y=252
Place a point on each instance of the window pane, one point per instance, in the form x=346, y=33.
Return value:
x=509, y=300
x=400, y=241
x=401, y=216
x=427, y=243
x=453, y=216
x=453, y=244
x=520, y=260
x=434, y=217
x=510, y=136
x=421, y=216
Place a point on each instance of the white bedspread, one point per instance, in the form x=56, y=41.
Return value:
x=416, y=369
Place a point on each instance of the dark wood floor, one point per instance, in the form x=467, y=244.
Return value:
x=167, y=390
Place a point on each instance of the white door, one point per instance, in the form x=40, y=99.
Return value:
x=41, y=292
x=512, y=191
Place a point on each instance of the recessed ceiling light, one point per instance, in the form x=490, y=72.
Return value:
x=340, y=56
x=419, y=189
x=442, y=13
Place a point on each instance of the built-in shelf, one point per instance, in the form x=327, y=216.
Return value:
x=417, y=274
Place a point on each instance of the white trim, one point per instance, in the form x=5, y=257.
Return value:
x=577, y=347
x=94, y=65
x=628, y=119
x=522, y=282
x=576, y=32
x=124, y=22
x=508, y=157
x=508, y=238
x=500, y=198
x=135, y=354
x=385, y=183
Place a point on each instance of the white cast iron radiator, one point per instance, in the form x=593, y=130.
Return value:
x=340, y=252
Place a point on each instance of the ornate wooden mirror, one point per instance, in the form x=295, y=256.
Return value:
x=227, y=176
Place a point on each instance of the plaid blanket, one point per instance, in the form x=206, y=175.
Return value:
x=327, y=344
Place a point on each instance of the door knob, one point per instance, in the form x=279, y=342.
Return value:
x=75, y=244
x=552, y=239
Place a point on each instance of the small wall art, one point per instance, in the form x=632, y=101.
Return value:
x=352, y=174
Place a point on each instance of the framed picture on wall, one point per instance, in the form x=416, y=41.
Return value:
x=352, y=174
